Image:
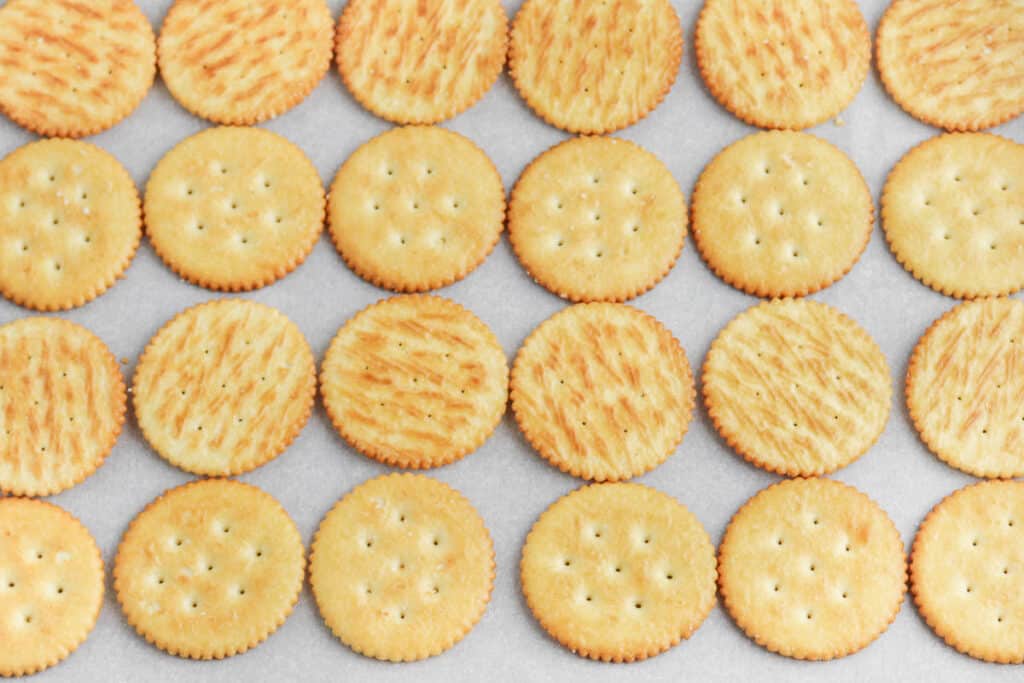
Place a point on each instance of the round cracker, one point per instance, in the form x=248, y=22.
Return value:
x=812, y=569
x=402, y=567
x=224, y=387
x=415, y=381
x=618, y=572
x=416, y=61
x=602, y=391
x=239, y=62
x=70, y=223
x=62, y=405
x=964, y=387
x=597, y=219
x=956, y=64
x=965, y=569
x=234, y=208
x=416, y=208
x=590, y=67
x=209, y=569
x=781, y=214
x=69, y=69
x=953, y=214
x=791, y=65
x=51, y=585
x=796, y=387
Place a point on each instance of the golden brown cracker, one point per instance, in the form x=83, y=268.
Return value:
x=781, y=214
x=234, y=208
x=415, y=381
x=402, y=567
x=594, y=67
x=421, y=61
x=796, y=387
x=209, y=569
x=812, y=569
x=224, y=387
x=597, y=219
x=238, y=62
x=602, y=391
x=416, y=208
x=618, y=572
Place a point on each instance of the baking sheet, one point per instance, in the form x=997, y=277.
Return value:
x=505, y=480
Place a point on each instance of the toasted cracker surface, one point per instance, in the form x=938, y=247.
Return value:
x=421, y=61
x=402, y=567
x=618, y=572
x=597, y=219
x=602, y=391
x=234, y=208
x=812, y=569
x=956, y=64
x=416, y=208
x=224, y=387
x=209, y=569
x=415, y=381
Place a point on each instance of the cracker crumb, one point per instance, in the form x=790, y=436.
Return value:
x=840, y=121
x=124, y=361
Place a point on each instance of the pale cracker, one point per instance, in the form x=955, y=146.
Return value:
x=51, y=585
x=597, y=219
x=234, y=208
x=781, y=214
x=69, y=223
x=415, y=381
x=791, y=64
x=957, y=64
x=416, y=208
x=416, y=61
x=402, y=567
x=964, y=388
x=209, y=569
x=953, y=213
x=812, y=569
x=224, y=387
x=62, y=405
x=70, y=68
x=594, y=67
x=602, y=391
x=965, y=570
x=240, y=62
x=618, y=572
x=796, y=387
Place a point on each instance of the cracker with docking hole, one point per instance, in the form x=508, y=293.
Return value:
x=597, y=219
x=416, y=208
x=51, y=585
x=965, y=569
x=618, y=572
x=964, y=388
x=812, y=569
x=781, y=214
x=415, y=381
x=224, y=387
x=796, y=387
x=62, y=405
x=402, y=567
x=71, y=68
x=953, y=214
x=209, y=569
x=955, y=64
x=590, y=67
x=790, y=64
x=421, y=61
x=602, y=391
x=234, y=208
x=238, y=62
x=70, y=223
